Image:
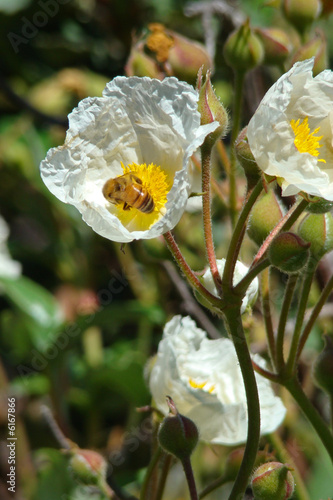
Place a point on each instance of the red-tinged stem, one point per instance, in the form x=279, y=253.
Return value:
x=283, y=225
x=188, y=272
x=207, y=215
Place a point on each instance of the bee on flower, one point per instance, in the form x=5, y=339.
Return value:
x=124, y=164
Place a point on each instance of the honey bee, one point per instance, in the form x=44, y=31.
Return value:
x=128, y=189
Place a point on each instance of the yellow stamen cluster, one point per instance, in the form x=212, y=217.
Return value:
x=159, y=42
x=305, y=140
x=156, y=182
x=201, y=385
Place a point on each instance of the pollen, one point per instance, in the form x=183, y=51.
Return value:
x=157, y=185
x=201, y=385
x=305, y=140
x=159, y=42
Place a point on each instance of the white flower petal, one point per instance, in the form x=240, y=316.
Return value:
x=296, y=95
x=138, y=120
x=219, y=408
x=240, y=271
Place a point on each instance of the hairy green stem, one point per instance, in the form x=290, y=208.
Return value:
x=303, y=300
x=235, y=328
x=266, y=310
x=237, y=109
x=311, y=413
x=314, y=315
x=287, y=299
x=238, y=235
x=207, y=215
x=243, y=285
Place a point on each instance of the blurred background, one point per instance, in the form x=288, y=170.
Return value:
x=79, y=323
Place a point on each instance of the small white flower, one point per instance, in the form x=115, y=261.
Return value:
x=141, y=126
x=240, y=271
x=9, y=268
x=291, y=133
x=203, y=378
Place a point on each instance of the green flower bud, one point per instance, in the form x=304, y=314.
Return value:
x=177, y=434
x=317, y=48
x=246, y=159
x=317, y=229
x=140, y=64
x=272, y=480
x=266, y=213
x=87, y=466
x=319, y=205
x=210, y=108
x=289, y=253
x=276, y=43
x=323, y=366
x=243, y=49
x=301, y=14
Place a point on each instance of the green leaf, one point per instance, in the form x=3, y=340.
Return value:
x=38, y=305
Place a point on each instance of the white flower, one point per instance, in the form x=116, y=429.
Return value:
x=290, y=134
x=141, y=126
x=240, y=271
x=9, y=268
x=203, y=378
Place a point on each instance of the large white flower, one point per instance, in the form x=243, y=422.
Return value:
x=9, y=268
x=240, y=271
x=140, y=126
x=291, y=133
x=203, y=378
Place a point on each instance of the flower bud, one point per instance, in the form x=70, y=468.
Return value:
x=177, y=434
x=266, y=213
x=323, y=367
x=210, y=108
x=317, y=229
x=272, y=480
x=186, y=57
x=243, y=49
x=246, y=158
x=276, y=43
x=317, y=48
x=87, y=466
x=319, y=205
x=301, y=14
x=140, y=64
x=288, y=252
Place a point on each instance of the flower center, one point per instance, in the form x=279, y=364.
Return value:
x=205, y=386
x=159, y=42
x=143, y=201
x=305, y=140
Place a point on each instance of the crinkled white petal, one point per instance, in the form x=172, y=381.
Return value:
x=139, y=120
x=240, y=271
x=219, y=409
x=9, y=268
x=296, y=95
